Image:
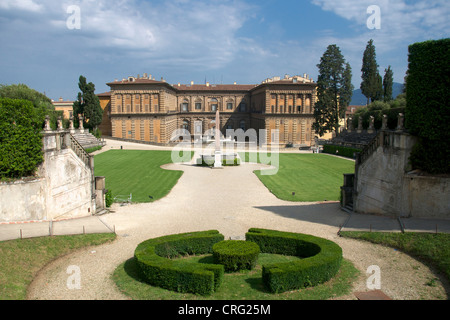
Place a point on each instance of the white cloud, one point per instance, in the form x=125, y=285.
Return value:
x=402, y=23
x=26, y=5
x=193, y=32
x=400, y=20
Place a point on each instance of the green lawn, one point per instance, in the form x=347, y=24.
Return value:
x=430, y=248
x=137, y=172
x=21, y=259
x=312, y=177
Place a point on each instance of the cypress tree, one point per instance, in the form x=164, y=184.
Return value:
x=88, y=105
x=370, y=85
x=388, y=82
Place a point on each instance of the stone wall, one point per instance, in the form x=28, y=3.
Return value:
x=384, y=186
x=64, y=186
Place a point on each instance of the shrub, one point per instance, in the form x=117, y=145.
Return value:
x=341, y=151
x=109, y=199
x=209, y=162
x=20, y=138
x=321, y=259
x=153, y=258
x=236, y=255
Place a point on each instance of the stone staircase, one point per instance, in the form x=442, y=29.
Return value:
x=88, y=140
x=354, y=139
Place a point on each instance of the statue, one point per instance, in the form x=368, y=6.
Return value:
x=218, y=151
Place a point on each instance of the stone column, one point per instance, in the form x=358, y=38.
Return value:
x=349, y=124
x=47, y=124
x=371, y=128
x=71, y=127
x=384, y=122
x=60, y=127
x=360, y=125
x=80, y=117
x=400, y=123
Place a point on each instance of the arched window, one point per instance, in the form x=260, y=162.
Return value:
x=185, y=125
x=198, y=104
x=243, y=107
x=230, y=105
x=185, y=106
x=242, y=125
x=214, y=104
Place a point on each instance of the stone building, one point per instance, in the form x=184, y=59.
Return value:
x=65, y=106
x=144, y=109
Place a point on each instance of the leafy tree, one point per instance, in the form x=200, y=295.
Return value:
x=388, y=82
x=20, y=138
x=87, y=105
x=42, y=104
x=334, y=90
x=370, y=85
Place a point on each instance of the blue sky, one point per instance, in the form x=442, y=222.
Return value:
x=245, y=41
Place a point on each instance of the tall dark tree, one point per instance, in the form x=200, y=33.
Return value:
x=87, y=105
x=388, y=82
x=370, y=85
x=334, y=90
x=346, y=90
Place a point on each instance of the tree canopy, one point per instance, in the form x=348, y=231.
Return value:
x=334, y=90
x=372, y=83
x=87, y=105
x=20, y=138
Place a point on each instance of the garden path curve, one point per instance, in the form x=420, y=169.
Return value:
x=230, y=200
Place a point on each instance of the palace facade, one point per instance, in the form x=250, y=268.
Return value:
x=144, y=109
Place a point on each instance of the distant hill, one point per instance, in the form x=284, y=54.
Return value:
x=359, y=99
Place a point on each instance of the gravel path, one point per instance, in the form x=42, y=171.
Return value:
x=230, y=200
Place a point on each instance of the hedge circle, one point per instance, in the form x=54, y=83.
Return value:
x=153, y=258
x=236, y=255
x=321, y=259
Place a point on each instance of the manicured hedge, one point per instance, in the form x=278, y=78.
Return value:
x=20, y=138
x=236, y=255
x=153, y=258
x=427, y=109
x=341, y=151
x=322, y=259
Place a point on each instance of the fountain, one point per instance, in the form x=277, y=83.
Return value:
x=218, y=159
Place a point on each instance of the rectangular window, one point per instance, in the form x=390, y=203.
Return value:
x=214, y=107
x=198, y=106
x=243, y=107
x=229, y=106
x=184, y=107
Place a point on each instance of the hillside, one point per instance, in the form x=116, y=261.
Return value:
x=358, y=99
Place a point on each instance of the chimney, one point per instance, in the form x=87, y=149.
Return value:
x=192, y=83
x=207, y=84
x=235, y=82
x=145, y=76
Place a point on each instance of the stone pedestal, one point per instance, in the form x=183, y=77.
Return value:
x=218, y=159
